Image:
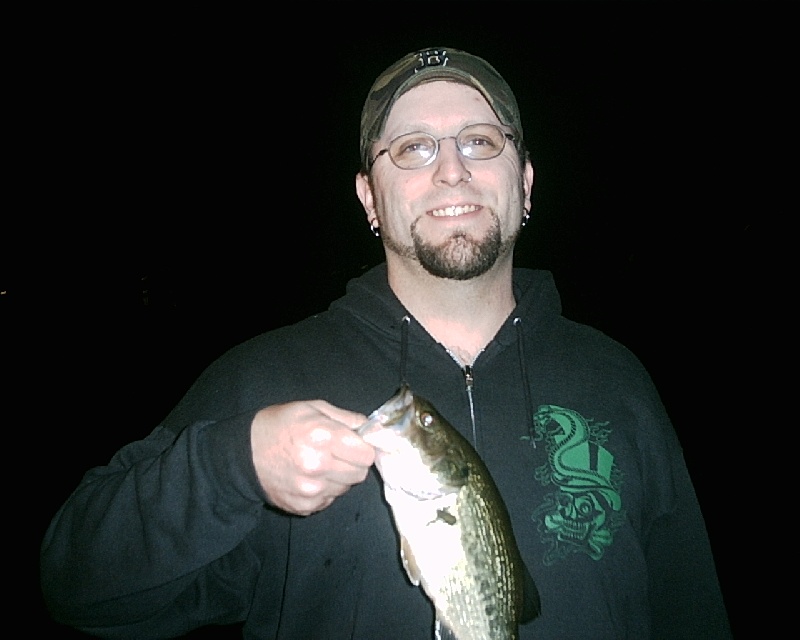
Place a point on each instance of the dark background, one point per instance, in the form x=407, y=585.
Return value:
x=186, y=182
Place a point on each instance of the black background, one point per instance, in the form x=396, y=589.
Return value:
x=186, y=181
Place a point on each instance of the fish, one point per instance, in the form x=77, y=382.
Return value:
x=456, y=538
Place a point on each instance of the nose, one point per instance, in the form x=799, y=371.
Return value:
x=450, y=167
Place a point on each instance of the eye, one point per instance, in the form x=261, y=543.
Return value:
x=481, y=141
x=413, y=145
x=426, y=419
x=478, y=141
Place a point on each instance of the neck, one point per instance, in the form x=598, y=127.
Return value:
x=463, y=316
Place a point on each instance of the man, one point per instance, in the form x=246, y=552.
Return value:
x=254, y=502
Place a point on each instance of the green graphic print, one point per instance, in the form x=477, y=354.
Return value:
x=583, y=513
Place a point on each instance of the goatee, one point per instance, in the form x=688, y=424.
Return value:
x=461, y=257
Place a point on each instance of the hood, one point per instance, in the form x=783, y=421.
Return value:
x=372, y=301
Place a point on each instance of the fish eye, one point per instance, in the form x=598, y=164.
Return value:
x=426, y=419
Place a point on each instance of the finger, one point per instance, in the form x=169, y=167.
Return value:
x=334, y=455
x=350, y=448
x=351, y=419
x=343, y=444
x=342, y=476
x=313, y=495
x=302, y=506
x=307, y=508
x=320, y=468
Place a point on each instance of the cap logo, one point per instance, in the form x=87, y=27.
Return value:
x=431, y=58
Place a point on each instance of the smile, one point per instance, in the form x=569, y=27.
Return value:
x=450, y=212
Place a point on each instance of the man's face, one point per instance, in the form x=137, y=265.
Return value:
x=456, y=216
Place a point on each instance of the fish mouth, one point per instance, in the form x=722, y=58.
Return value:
x=453, y=211
x=393, y=414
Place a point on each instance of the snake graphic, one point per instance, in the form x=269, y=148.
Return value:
x=584, y=513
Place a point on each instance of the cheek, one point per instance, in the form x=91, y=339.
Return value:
x=397, y=197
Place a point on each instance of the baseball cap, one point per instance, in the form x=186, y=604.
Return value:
x=437, y=63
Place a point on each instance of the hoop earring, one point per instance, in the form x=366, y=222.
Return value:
x=374, y=227
x=525, y=217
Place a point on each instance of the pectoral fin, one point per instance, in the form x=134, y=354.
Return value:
x=442, y=631
x=409, y=562
x=531, y=603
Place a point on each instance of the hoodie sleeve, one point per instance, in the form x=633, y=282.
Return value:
x=151, y=544
x=685, y=596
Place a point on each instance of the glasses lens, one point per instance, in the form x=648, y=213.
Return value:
x=481, y=141
x=412, y=150
x=417, y=149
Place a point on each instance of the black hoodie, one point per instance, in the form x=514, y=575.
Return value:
x=176, y=533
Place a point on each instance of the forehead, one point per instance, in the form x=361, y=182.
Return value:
x=438, y=106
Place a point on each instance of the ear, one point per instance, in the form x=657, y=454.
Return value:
x=364, y=191
x=527, y=183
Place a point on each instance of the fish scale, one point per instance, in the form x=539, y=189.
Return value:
x=456, y=539
x=489, y=574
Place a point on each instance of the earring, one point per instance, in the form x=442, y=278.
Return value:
x=374, y=227
x=525, y=217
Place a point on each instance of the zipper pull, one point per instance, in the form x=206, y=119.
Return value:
x=468, y=376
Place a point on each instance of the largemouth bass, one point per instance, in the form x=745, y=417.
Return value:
x=456, y=540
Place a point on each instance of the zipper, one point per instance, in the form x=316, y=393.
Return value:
x=469, y=379
x=469, y=382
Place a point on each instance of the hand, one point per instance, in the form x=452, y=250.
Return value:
x=307, y=454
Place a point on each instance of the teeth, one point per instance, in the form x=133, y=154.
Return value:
x=454, y=211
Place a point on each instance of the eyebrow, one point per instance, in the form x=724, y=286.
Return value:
x=421, y=127
x=409, y=128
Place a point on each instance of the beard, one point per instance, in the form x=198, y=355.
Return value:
x=460, y=256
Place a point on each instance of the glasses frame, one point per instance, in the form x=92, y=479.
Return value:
x=385, y=151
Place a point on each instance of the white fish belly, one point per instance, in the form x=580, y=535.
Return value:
x=434, y=557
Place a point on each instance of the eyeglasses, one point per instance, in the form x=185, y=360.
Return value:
x=416, y=150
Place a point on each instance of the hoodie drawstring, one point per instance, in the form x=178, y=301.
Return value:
x=524, y=374
x=404, y=348
x=404, y=328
